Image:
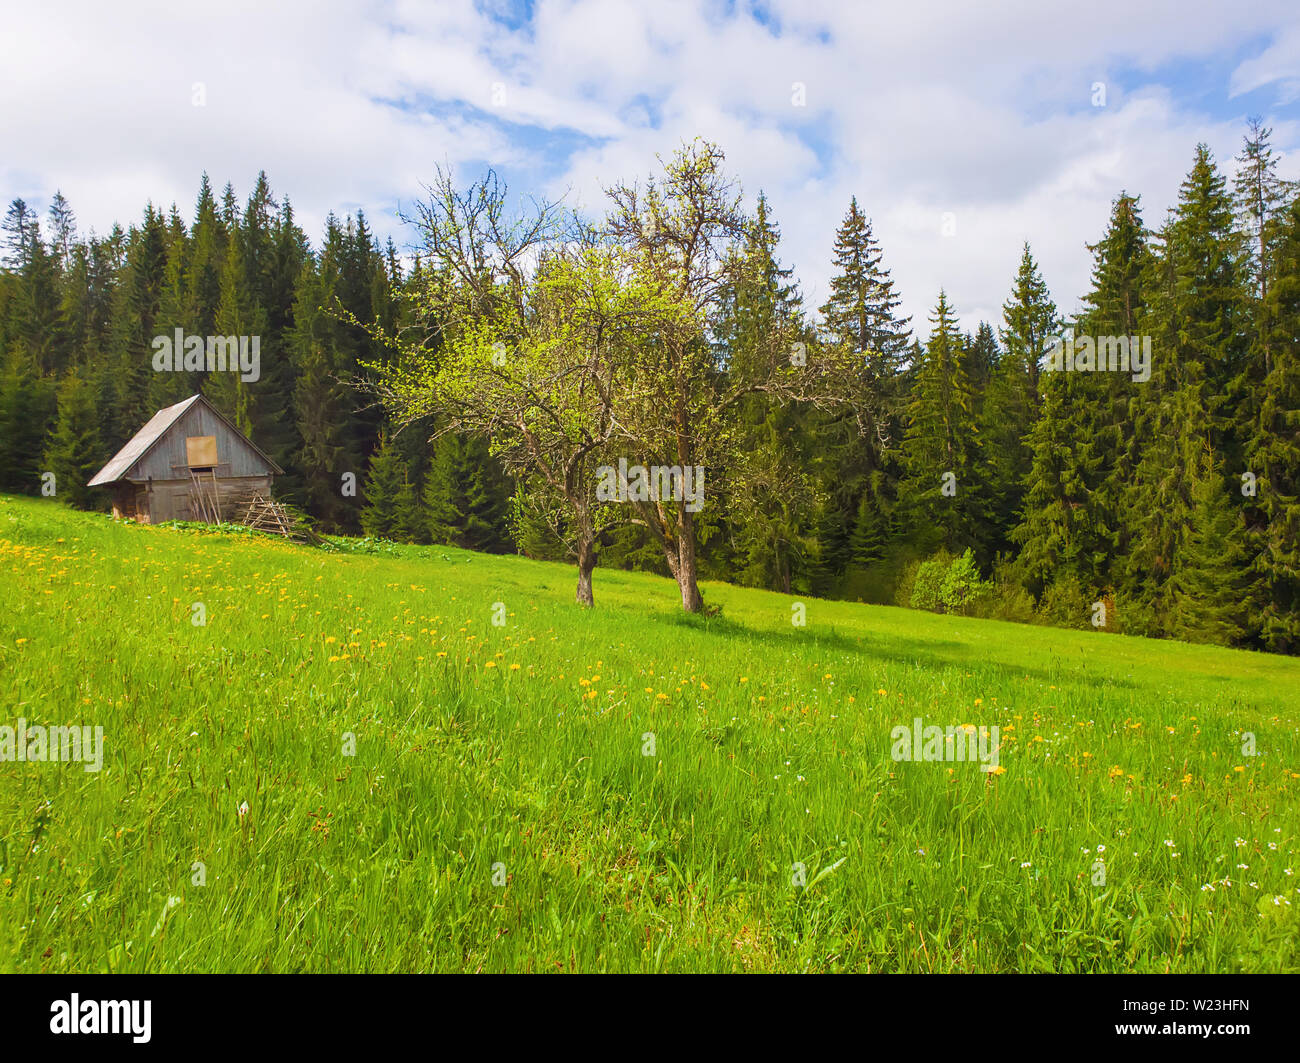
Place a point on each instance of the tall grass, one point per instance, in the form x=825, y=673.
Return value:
x=656, y=792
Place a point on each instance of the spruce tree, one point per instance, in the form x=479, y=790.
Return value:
x=465, y=494
x=942, y=489
x=1079, y=448
x=861, y=471
x=1010, y=409
x=1184, y=418
x=1273, y=453
x=1260, y=197
x=320, y=408
x=74, y=453
x=385, y=492
x=1209, y=598
x=772, y=531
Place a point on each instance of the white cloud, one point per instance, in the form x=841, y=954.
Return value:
x=920, y=108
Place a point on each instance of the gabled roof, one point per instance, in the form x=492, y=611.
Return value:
x=158, y=425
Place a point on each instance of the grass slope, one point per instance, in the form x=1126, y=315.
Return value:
x=518, y=754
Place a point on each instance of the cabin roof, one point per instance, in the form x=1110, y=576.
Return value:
x=157, y=427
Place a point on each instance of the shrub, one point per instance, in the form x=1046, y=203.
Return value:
x=962, y=589
x=1007, y=598
x=927, y=582
x=1067, y=603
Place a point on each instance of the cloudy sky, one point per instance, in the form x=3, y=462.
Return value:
x=1019, y=119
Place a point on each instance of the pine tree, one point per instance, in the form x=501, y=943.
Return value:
x=173, y=313
x=1260, y=197
x=27, y=409
x=860, y=473
x=1199, y=327
x=772, y=532
x=238, y=315
x=1012, y=406
x=22, y=233
x=1208, y=594
x=871, y=532
x=275, y=426
x=136, y=322
x=465, y=494
x=63, y=230
x=207, y=255
x=981, y=355
x=1079, y=448
x=320, y=407
x=386, y=488
x=1273, y=453
x=942, y=488
x=38, y=318
x=74, y=453
x=861, y=310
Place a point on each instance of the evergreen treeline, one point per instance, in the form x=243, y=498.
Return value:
x=1166, y=506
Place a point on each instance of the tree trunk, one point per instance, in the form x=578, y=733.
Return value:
x=692, y=602
x=586, y=562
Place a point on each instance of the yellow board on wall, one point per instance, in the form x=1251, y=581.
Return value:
x=200, y=451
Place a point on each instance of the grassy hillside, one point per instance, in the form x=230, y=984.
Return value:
x=519, y=754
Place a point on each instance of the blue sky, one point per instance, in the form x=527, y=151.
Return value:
x=923, y=110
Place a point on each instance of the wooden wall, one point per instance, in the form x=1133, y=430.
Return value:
x=169, y=499
x=166, y=461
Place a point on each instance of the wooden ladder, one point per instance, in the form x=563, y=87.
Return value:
x=204, y=505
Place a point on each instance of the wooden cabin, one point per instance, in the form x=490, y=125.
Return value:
x=189, y=462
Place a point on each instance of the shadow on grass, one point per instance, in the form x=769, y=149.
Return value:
x=930, y=653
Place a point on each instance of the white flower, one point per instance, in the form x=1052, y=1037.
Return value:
x=243, y=809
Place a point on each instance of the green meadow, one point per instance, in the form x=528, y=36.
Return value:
x=348, y=766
